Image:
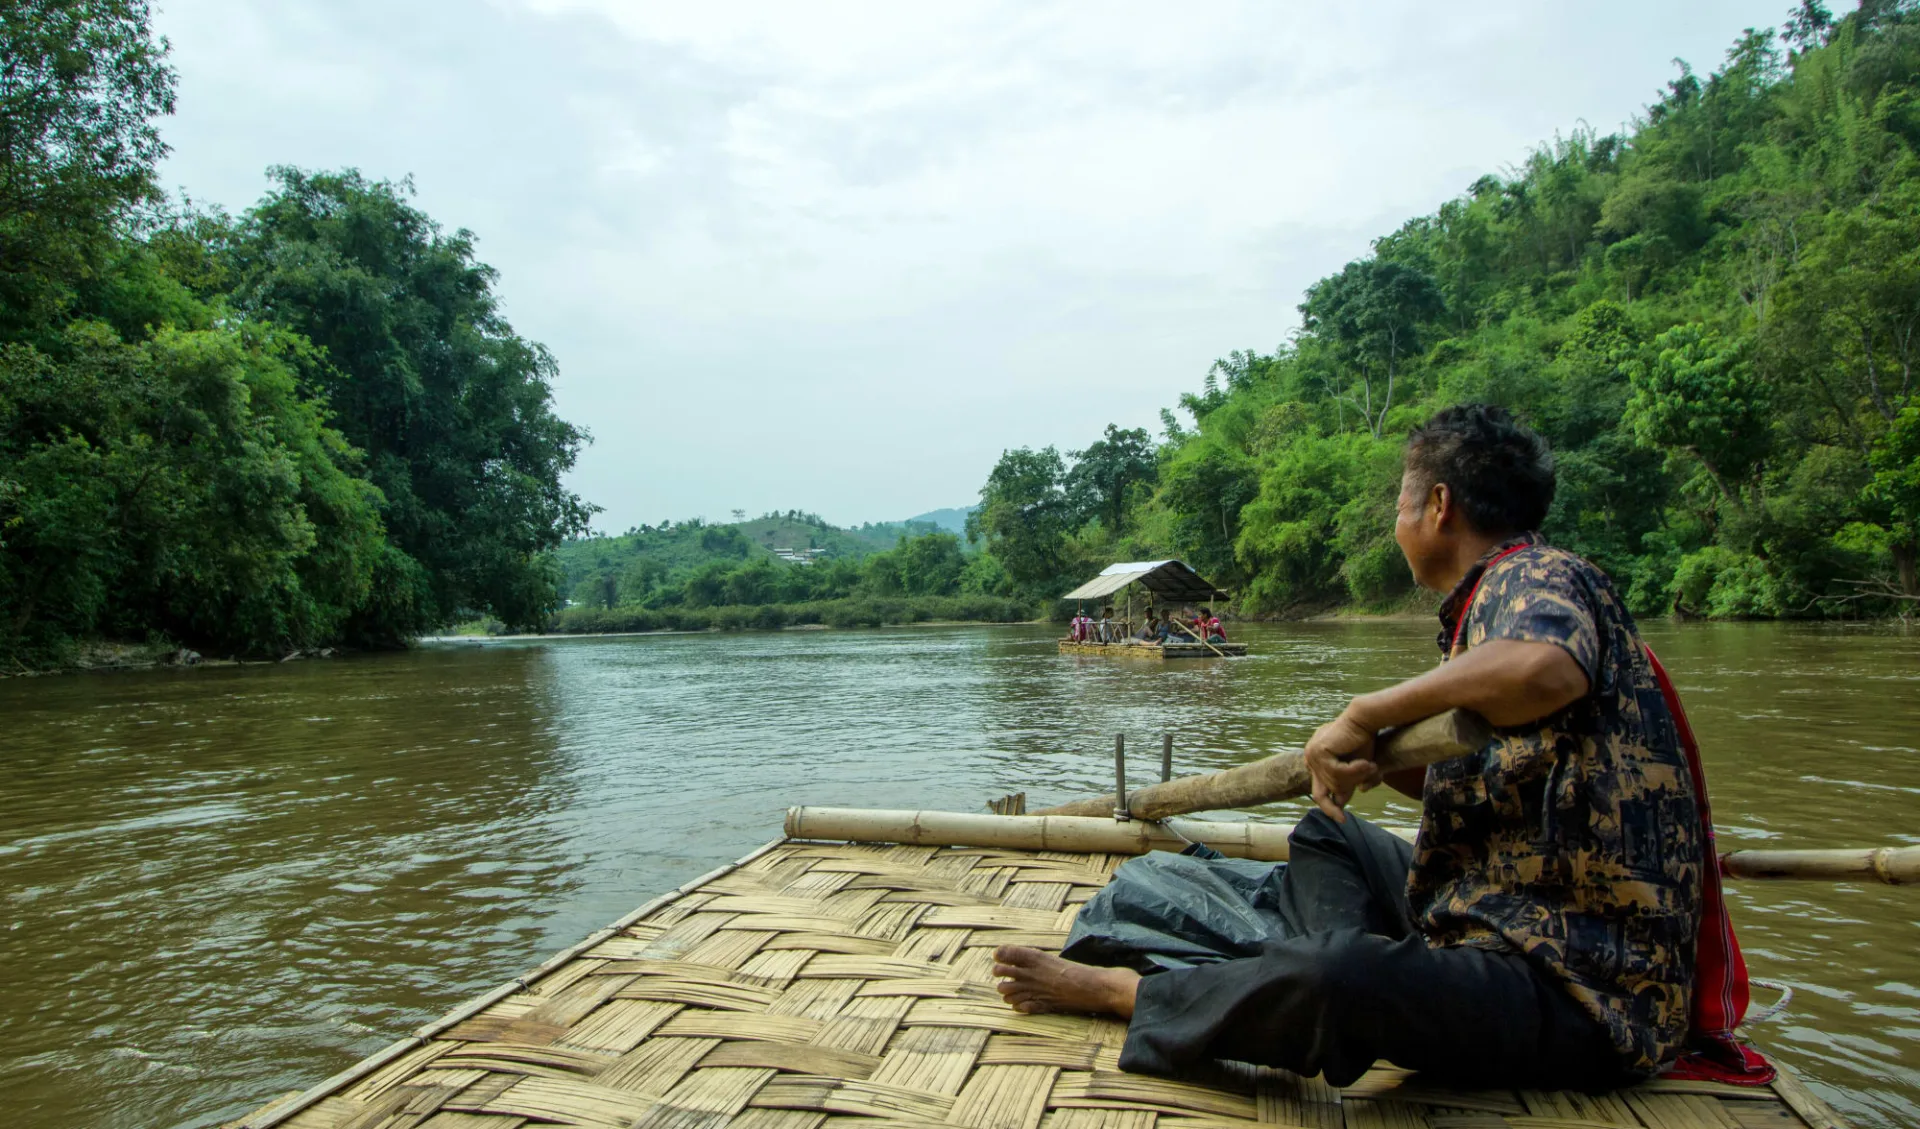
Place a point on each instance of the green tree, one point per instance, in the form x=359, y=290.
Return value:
x=453, y=410
x=1205, y=485
x=757, y=582
x=1372, y=312
x=1896, y=490
x=1108, y=472
x=181, y=486
x=80, y=85
x=641, y=579
x=1809, y=25
x=1699, y=394
x=1024, y=518
x=1325, y=504
x=931, y=564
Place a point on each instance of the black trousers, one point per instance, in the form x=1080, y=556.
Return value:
x=1351, y=982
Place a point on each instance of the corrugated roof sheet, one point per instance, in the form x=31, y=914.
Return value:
x=1168, y=581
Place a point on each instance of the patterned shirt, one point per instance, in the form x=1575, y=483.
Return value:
x=1574, y=840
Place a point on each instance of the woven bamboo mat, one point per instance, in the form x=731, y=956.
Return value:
x=850, y=987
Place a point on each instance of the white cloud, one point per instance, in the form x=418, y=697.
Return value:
x=839, y=255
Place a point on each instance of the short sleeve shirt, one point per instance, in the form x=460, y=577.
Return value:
x=1574, y=840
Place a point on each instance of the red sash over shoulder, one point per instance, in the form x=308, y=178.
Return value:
x=1720, y=988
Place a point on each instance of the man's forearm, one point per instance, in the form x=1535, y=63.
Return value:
x=1505, y=681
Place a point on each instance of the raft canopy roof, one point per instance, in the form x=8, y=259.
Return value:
x=1171, y=582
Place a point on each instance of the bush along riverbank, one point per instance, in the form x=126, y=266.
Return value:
x=855, y=612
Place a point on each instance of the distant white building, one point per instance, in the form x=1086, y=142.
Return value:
x=798, y=556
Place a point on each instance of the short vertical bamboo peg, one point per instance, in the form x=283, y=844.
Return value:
x=1166, y=757
x=1120, y=811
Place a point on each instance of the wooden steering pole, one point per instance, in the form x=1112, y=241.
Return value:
x=1284, y=776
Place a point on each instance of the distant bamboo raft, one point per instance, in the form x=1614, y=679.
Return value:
x=849, y=986
x=1137, y=650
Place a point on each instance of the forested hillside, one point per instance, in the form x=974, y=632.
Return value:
x=680, y=575
x=302, y=425
x=1713, y=317
x=649, y=564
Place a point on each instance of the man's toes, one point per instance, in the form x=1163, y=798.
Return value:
x=1015, y=955
x=1029, y=1003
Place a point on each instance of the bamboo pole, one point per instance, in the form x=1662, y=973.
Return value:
x=1284, y=776
x=1243, y=839
x=1201, y=638
x=1105, y=835
x=1896, y=866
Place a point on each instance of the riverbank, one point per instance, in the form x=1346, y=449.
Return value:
x=102, y=656
x=548, y=636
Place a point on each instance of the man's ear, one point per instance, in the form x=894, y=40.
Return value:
x=1440, y=504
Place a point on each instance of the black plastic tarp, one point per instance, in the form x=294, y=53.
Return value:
x=1165, y=910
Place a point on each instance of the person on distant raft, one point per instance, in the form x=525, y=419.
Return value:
x=1216, y=631
x=1154, y=631
x=1183, y=626
x=1541, y=931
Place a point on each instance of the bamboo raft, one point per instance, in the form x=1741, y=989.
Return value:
x=1154, y=650
x=847, y=985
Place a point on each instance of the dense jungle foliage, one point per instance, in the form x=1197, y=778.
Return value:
x=301, y=425
x=1714, y=318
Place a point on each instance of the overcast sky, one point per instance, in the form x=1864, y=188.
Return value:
x=838, y=256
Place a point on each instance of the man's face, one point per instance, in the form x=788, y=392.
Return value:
x=1417, y=529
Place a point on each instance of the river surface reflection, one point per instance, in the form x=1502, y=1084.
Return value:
x=220, y=885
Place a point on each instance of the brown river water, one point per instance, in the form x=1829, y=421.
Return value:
x=219, y=885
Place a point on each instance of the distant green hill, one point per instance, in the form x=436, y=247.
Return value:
x=678, y=548
x=953, y=519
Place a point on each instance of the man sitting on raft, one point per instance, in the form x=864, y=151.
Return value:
x=1541, y=932
x=1155, y=631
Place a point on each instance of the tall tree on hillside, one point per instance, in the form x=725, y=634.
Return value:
x=80, y=84
x=1809, y=25
x=1106, y=472
x=1372, y=312
x=1700, y=394
x=424, y=374
x=1024, y=516
x=1895, y=492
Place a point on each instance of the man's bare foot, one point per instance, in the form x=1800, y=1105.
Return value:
x=1035, y=982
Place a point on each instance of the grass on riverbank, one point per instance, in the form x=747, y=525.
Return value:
x=852, y=612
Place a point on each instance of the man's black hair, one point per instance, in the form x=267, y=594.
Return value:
x=1499, y=471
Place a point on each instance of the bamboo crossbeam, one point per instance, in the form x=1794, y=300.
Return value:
x=1263, y=841
x=1284, y=776
x=1896, y=866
